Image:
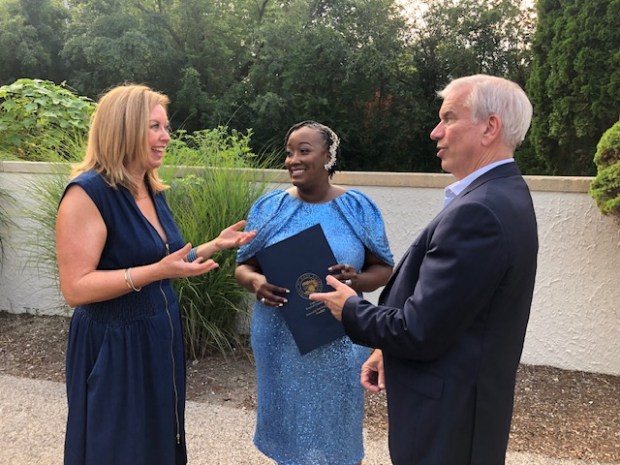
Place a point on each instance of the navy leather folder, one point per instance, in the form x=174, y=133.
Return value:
x=299, y=263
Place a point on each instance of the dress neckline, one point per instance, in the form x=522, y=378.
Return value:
x=300, y=200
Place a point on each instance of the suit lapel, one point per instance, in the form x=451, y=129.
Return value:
x=508, y=169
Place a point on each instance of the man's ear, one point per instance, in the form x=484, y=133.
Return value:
x=493, y=129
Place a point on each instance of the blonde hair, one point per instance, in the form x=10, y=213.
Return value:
x=118, y=136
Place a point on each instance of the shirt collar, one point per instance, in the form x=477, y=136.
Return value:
x=454, y=189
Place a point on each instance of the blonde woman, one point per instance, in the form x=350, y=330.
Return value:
x=118, y=247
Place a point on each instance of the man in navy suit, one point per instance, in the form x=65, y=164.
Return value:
x=450, y=323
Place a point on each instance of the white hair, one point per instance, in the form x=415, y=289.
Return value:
x=494, y=95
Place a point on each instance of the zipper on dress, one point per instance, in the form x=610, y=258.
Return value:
x=174, y=380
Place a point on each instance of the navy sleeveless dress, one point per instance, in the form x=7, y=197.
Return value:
x=125, y=356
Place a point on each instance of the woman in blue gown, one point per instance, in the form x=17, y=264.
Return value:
x=310, y=408
x=117, y=248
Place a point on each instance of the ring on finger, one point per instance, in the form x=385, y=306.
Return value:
x=263, y=300
x=348, y=282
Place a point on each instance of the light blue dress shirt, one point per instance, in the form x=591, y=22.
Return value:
x=454, y=189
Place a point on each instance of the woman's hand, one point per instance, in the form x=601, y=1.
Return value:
x=344, y=273
x=374, y=274
x=175, y=265
x=233, y=237
x=270, y=295
x=250, y=276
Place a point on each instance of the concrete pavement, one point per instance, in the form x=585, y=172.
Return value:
x=33, y=414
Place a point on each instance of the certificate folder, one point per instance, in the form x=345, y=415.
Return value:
x=299, y=263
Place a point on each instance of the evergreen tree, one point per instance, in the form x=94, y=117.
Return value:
x=575, y=81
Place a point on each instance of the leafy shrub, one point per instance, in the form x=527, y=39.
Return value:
x=40, y=121
x=605, y=188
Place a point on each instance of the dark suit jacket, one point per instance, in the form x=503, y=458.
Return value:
x=451, y=323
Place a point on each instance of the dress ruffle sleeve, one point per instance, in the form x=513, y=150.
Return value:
x=366, y=220
x=267, y=213
x=273, y=209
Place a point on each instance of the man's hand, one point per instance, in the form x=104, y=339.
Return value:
x=334, y=300
x=372, y=376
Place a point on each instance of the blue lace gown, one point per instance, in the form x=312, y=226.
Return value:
x=311, y=407
x=125, y=356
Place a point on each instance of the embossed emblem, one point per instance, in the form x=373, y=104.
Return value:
x=308, y=283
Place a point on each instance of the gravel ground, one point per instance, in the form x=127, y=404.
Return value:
x=558, y=413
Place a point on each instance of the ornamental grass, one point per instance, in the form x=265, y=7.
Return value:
x=217, y=191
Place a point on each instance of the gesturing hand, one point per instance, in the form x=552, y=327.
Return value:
x=174, y=265
x=334, y=300
x=233, y=237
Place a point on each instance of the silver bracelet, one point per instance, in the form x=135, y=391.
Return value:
x=129, y=281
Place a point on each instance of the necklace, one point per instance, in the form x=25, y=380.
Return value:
x=142, y=196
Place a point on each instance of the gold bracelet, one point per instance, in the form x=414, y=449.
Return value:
x=129, y=281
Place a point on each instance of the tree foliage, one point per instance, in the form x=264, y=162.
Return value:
x=32, y=33
x=115, y=41
x=454, y=38
x=476, y=36
x=359, y=66
x=327, y=61
x=575, y=81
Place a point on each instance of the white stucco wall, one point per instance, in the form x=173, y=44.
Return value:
x=575, y=316
x=24, y=288
x=575, y=319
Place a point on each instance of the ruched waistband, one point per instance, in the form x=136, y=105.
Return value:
x=133, y=306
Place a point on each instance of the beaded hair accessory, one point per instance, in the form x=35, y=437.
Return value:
x=333, y=148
